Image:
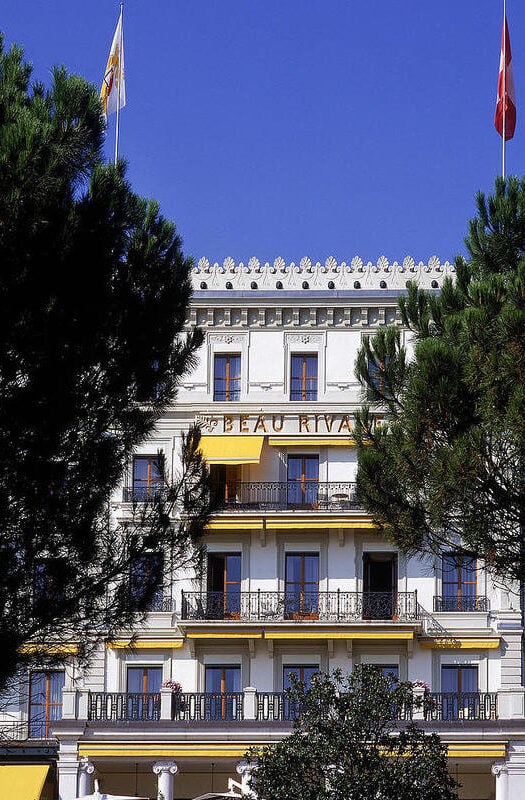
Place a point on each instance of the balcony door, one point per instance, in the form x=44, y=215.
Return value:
x=459, y=692
x=379, y=585
x=222, y=687
x=459, y=580
x=143, y=701
x=225, y=483
x=301, y=594
x=224, y=586
x=303, y=480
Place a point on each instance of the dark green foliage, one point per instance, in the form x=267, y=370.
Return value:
x=448, y=468
x=93, y=295
x=346, y=745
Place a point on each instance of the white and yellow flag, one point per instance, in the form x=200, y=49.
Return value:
x=113, y=91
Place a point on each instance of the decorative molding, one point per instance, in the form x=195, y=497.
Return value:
x=319, y=275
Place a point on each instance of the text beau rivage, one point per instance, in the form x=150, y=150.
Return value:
x=276, y=423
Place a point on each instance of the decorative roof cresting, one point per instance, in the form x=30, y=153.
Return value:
x=329, y=275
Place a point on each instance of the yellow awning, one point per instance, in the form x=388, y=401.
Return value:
x=22, y=781
x=314, y=441
x=231, y=449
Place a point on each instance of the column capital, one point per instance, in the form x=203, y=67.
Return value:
x=85, y=764
x=498, y=768
x=165, y=766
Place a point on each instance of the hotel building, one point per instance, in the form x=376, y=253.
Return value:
x=296, y=578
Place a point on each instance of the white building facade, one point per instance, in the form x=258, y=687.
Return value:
x=296, y=578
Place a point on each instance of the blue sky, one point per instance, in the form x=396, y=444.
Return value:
x=299, y=127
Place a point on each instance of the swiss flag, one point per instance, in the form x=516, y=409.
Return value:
x=506, y=102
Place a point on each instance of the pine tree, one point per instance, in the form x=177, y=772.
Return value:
x=447, y=468
x=93, y=294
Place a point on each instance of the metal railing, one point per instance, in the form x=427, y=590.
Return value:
x=285, y=605
x=279, y=495
x=460, y=705
x=123, y=706
x=277, y=706
x=144, y=494
x=460, y=604
x=208, y=706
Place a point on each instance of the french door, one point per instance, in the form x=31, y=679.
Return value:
x=224, y=586
x=223, y=687
x=303, y=480
x=302, y=585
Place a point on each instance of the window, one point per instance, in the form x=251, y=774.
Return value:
x=303, y=382
x=380, y=586
x=390, y=671
x=148, y=478
x=302, y=586
x=223, y=686
x=48, y=583
x=303, y=673
x=45, y=702
x=303, y=480
x=227, y=377
x=143, y=692
x=459, y=581
x=146, y=579
x=459, y=692
x=224, y=586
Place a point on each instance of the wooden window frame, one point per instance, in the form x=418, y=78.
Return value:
x=304, y=377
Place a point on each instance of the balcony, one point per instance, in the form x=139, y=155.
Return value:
x=268, y=707
x=281, y=606
x=24, y=730
x=123, y=706
x=461, y=604
x=450, y=706
x=288, y=496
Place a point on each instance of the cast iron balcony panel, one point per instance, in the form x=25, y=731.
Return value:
x=461, y=705
x=143, y=494
x=123, y=706
x=459, y=604
x=277, y=707
x=262, y=606
x=208, y=706
x=288, y=495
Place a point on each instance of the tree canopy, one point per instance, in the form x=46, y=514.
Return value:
x=347, y=744
x=93, y=294
x=446, y=469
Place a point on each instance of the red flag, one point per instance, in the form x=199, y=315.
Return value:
x=506, y=102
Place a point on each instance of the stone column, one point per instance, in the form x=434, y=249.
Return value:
x=515, y=769
x=250, y=703
x=165, y=770
x=67, y=769
x=499, y=769
x=85, y=769
x=245, y=769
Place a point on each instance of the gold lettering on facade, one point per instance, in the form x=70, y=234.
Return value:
x=278, y=426
x=227, y=425
x=260, y=424
x=329, y=421
x=243, y=423
x=304, y=423
x=344, y=425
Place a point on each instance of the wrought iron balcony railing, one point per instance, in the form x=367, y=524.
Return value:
x=265, y=606
x=277, y=706
x=461, y=705
x=459, y=604
x=123, y=706
x=288, y=495
x=208, y=706
x=144, y=494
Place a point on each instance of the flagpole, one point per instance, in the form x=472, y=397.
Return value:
x=117, y=124
x=504, y=86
